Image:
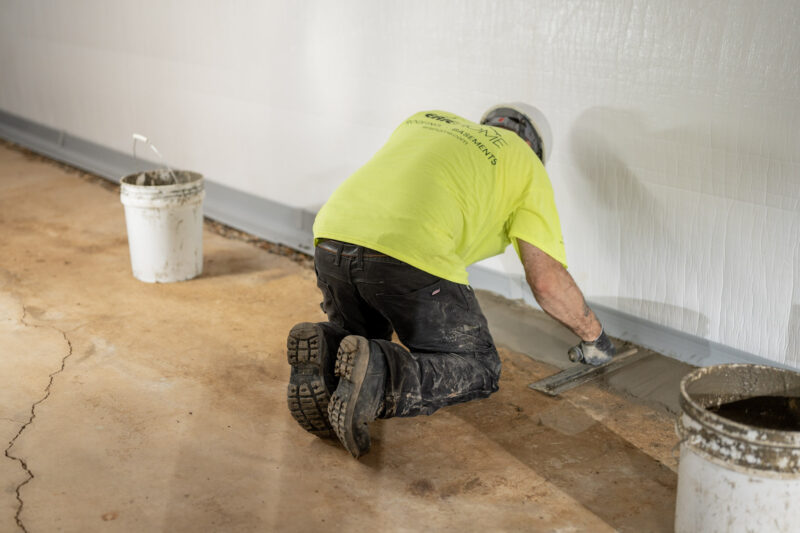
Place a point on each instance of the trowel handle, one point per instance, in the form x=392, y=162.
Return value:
x=575, y=354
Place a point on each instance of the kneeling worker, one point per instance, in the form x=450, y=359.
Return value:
x=392, y=246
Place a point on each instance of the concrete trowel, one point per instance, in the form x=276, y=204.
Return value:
x=583, y=373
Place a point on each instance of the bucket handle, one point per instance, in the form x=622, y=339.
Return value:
x=144, y=139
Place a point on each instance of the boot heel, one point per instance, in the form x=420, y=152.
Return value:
x=307, y=395
x=358, y=398
x=346, y=356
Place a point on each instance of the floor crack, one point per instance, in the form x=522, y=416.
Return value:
x=20, y=460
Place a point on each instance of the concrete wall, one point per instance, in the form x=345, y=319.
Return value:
x=675, y=163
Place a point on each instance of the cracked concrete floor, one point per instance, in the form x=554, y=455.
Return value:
x=169, y=413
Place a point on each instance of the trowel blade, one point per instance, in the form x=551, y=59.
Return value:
x=581, y=373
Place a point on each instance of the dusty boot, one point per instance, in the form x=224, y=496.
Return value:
x=358, y=399
x=311, y=350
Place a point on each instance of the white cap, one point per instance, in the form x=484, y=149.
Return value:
x=537, y=120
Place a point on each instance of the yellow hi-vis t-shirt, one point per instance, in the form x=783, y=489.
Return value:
x=443, y=193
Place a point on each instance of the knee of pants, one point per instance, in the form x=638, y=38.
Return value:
x=491, y=361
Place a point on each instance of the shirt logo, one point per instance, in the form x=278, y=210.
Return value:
x=440, y=118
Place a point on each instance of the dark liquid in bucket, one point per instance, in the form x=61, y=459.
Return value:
x=767, y=412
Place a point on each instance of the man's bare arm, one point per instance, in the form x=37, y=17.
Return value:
x=557, y=293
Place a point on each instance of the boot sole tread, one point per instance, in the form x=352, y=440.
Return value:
x=342, y=402
x=306, y=395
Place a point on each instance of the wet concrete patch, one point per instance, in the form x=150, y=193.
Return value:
x=616, y=481
x=566, y=419
x=653, y=379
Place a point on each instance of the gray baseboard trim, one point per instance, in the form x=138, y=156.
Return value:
x=291, y=227
x=266, y=219
x=263, y=218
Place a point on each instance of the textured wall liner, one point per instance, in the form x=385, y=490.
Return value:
x=291, y=227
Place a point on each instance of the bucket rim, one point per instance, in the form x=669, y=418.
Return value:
x=736, y=430
x=196, y=179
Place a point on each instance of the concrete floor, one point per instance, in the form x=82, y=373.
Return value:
x=137, y=407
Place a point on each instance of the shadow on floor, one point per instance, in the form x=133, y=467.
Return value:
x=231, y=262
x=612, y=478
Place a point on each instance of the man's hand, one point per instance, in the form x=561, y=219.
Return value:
x=593, y=353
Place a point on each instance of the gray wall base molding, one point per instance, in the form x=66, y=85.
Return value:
x=291, y=227
x=263, y=218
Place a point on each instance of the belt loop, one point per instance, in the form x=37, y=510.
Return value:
x=360, y=258
x=338, y=259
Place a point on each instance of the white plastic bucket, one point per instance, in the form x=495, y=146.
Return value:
x=735, y=476
x=164, y=217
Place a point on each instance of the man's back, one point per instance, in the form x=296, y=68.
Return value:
x=443, y=193
x=390, y=254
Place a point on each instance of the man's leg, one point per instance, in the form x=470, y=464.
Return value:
x=359, y=398
x=312, y=348
x=449, y=356
x=339, y=268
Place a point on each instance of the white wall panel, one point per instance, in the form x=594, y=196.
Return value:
x=675, y=167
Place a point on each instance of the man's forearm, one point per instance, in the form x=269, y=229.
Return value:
x=558, y=294
x=565, y=303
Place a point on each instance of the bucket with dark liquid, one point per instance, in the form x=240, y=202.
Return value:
x=740, y=450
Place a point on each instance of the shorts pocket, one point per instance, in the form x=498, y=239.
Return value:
x=435, y=318
x=441, y=292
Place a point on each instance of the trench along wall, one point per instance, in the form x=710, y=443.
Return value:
x=675, y=165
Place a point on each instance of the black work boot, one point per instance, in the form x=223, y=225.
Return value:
x=358, y=399
x=311, y=350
